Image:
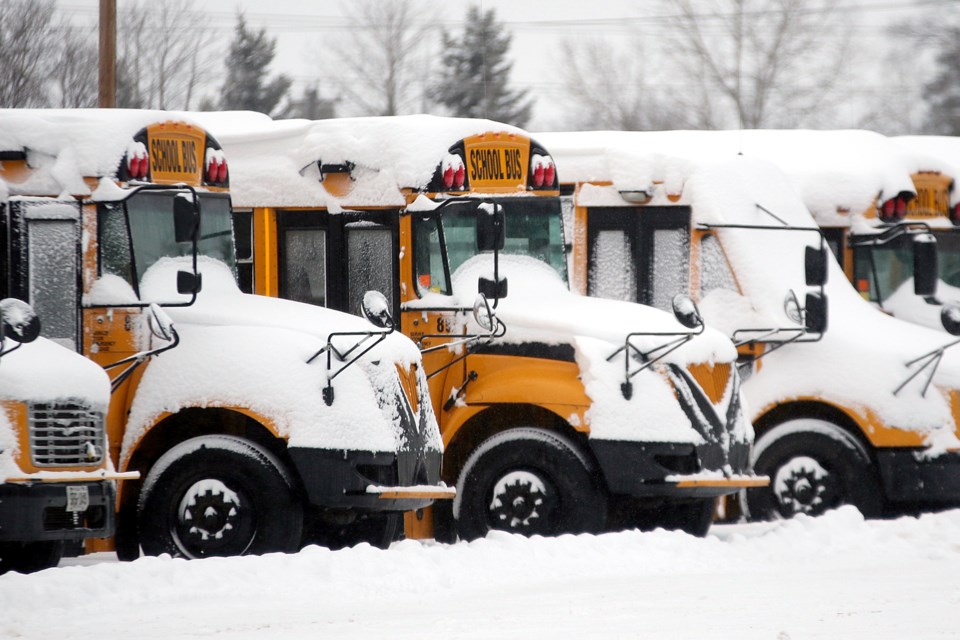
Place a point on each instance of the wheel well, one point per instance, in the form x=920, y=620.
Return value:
x=190, y=423
x=502, y=417
x=815, y=410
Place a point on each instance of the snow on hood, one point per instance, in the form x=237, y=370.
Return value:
x=251, y=351
x=273, y=163
x=540, y=308
x=863, y=356
x=64, y=145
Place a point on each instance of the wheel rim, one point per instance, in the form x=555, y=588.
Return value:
x=212, y=519
x=523, y=502
x=803, y=485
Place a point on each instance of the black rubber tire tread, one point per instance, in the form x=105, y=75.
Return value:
x=837, y=453
x=30, y=557
x=583, y=502
x=240, y=464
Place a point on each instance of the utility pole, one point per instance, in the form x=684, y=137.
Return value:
x=108, y=54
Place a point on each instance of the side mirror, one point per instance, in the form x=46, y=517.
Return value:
x=815, y=313
x=950, y=319
x=492, y=289
x=19, y=321
x=160, y=323
x=815, y=266
x=491, y=227
x=376, y=309
x=188, y=283
x=925, y=273
x=483, y=314
x=186, y=222
x=686, y=312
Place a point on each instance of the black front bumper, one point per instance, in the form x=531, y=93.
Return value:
x=345, y=479
x=909, y=477
x=671, y=469
x=36, y=511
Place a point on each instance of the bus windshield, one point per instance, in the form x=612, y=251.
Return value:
x=892, y=264
x=948, y=256
x=445, y=240
x=139, y=231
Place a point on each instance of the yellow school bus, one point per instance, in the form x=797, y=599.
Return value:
x=57, y=484
x=558, y=413
x=273, y=423
x=861, y=409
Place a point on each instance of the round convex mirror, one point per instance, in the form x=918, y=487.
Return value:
x=950, y=318
x=791, y=307
x=686, y=312
x=376, y=309
x=20, y=321
x=483, y=314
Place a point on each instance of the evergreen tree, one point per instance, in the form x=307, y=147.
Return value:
x=944, y=90
x=246, y=86
x=476, y=70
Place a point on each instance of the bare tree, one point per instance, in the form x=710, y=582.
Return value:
x=28, y=34
x=383, y=55
x=609, y=89
x=165, y=49
x=75, y=75
x=757, y=63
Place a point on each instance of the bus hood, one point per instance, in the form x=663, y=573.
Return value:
x=27, y=375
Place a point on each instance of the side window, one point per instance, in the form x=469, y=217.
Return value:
x=370, y=263
x=428, y=256
x=612, y=272
x=303, y=273
x=714, y=271
x=669, y=265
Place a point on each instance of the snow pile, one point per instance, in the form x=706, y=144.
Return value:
x=668, y=584
x=274, y=163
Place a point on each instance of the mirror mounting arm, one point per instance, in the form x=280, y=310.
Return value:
x=470, y=340
x=650, y=357
x=331, y=350
x=931, y=361
x=138, y=359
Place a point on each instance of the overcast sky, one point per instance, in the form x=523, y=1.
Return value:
x=302, y=26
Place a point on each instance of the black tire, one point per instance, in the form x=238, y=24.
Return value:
x=814, y=466
x=528, y=481
x=693, y=516
x=379, y=530
x=29, y=557
x=249, y=505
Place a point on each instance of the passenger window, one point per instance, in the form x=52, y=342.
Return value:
x=670, y=266
x=612, y=272
x=304, y=266
x=370, y=263
x=714, y=271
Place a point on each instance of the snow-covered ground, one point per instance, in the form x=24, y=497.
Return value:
x=837, y=576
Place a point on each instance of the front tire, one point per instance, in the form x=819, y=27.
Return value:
x=30, y=557
x=528, y=481
x=813, y=466
x=218, y=496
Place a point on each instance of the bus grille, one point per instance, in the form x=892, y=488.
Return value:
x=65, y=435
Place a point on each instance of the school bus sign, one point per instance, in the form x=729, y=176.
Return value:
x=497, y=162
x=176, y=153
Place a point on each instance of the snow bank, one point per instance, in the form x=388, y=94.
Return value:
x=666, y=583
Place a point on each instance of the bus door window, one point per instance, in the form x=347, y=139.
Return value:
x=302, y=257
x=370, y=263
x=429, y=256
x=243, y=242
x=639, y=255
x=714, y=271
x=49, y=239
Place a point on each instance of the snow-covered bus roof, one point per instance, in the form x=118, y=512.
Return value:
x=834, y=172
x=273, y=162
x=942, y=153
